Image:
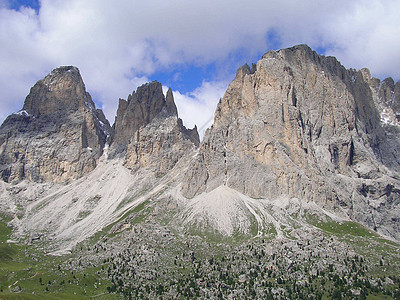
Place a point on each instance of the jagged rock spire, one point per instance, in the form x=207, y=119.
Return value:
x=148, y=132
x=142, y=106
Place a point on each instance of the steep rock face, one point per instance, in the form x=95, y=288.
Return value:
x=57, y=136
x=148, y=132
x=139, y=110
x=388, y=95
x=299, y=125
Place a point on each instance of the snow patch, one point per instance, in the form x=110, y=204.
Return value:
x=388, y=117
x=22, y=113
x=105, y=150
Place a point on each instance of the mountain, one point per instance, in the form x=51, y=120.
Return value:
x=57, y=136
x=299, y=125
x=60, y=128
x=293, y=192
x=296, y=126
x=148, y=132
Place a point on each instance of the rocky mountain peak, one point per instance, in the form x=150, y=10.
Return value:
x=388, y=97
x=57, y=136
x=292, y=54
x=245, y=70
x=170, y=104
x=142, y=107
x=60, y=92
x=300, y=125
x=151, y=96
x=148, y=132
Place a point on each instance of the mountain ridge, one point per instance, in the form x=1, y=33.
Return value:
x=301, y=125
x=293, y=193
x=296, y=125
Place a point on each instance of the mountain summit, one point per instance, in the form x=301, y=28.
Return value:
x=60, y=92
x=296, y=125
x=299, y=125
x=139, y=110
x=274, y=203
x=148, y=132
x=57, y=136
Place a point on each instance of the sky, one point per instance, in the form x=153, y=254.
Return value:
x=193, y=47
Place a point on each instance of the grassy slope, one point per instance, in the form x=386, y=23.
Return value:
x=39, y=275
x=27, y=273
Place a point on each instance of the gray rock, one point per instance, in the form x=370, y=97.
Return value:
x=300, y=125
x=57, y=136
x=157, y=146
x=148, y=132
x=139, y=110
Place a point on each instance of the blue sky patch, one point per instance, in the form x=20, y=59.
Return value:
x=16, y=4
x=185, y=78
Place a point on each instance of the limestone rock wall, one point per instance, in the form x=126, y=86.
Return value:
x=142, y=106
x=148, y=132
x=57, y=136
x=300, y=125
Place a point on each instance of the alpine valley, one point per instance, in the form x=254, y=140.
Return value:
x=293, y=193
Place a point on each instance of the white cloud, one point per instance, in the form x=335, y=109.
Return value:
x=368, y=37
x=198, y=107
x=21, y=60
x=119, y=44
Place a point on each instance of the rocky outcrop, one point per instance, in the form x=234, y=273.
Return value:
x=388, y=96
x=57, y=136
x=299, y=125
x=148, y=132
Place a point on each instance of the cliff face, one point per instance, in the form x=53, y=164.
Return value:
x=148, y=132
x=57, y=136
x=299, y=125
x=296, y=125
x=139, y=110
